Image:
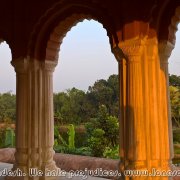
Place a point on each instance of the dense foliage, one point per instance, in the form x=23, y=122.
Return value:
x=7, y=107
x=175, y=105
x=77, y=107
x=99, y=138
x=7, y=137
x=174, y=80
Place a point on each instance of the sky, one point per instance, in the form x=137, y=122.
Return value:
x=85, y=57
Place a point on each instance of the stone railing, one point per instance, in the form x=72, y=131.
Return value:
x=69, y=162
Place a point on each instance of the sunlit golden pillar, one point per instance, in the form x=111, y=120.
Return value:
x=145, y=127
x=158, y=125
x=135, y=134
x=157, y=108
x=151, y=103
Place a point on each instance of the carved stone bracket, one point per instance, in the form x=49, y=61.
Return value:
x=118, y=53
x=165, y=50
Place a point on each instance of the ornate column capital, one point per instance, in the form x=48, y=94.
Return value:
x=44, y=65
x=132, y=47
x=49, y=65
x=23, y=65
x=20, y=65
x=165, y=49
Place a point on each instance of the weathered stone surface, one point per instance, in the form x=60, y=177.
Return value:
x=7, y=155
x=75, y=162
x=67, y=161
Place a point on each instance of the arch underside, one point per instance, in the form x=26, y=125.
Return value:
x=174, y=26
x=169, y=24
x=51, y=29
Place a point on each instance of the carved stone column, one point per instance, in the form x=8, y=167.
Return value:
x=119, y=55
x=47, y=121
x=158, y=114
x=35, y=123
x=134, y=123
x=152, y=104
x=165, y=49
x=145, y=128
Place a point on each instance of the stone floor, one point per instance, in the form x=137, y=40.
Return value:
x=4, y=166
x=9, y=166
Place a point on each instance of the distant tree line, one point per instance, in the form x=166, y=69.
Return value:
x=77, y=107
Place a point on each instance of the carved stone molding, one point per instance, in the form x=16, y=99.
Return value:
x=20, y=65
x=49, y=65
x=131, y=50
x=23, y=65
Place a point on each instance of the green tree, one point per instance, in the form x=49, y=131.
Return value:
x=69, y=106
x=113, y=83
x=109, y=124
x=97, y=142
x=174, y=80
x=104, y=92
x=175, y=105
x=7, y=107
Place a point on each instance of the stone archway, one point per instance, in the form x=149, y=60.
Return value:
x=54, y=25
x=35, y=84
x=146, y=137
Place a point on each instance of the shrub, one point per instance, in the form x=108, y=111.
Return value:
x=97, y=142
x=111, y=153
x=7, y=138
